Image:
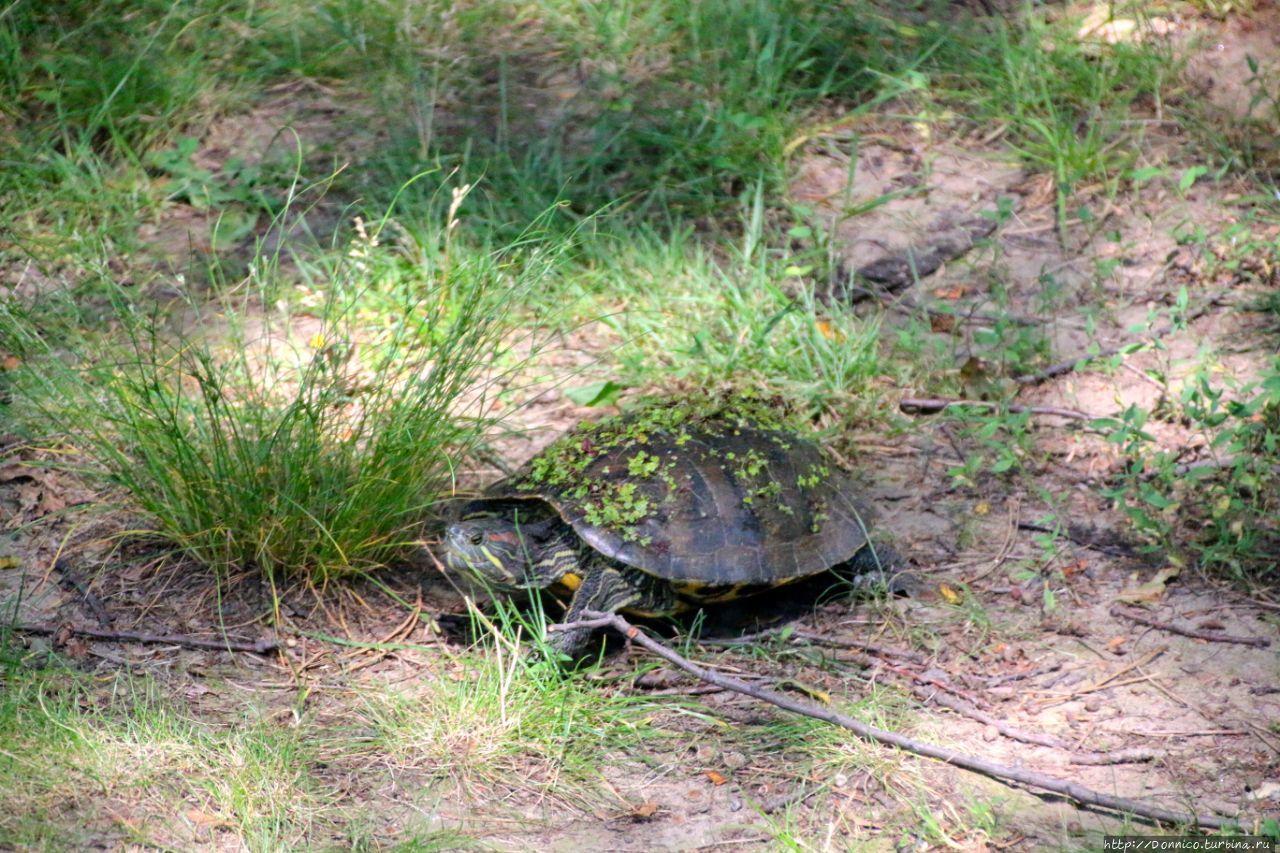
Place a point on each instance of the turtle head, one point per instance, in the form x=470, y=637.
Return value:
x=507, y=554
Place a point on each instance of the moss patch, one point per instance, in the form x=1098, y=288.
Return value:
x=622, y=471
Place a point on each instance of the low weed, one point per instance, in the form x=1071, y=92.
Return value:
x=1220, y=512
x=1000, y=443
x=116, y=761
x=88, y=87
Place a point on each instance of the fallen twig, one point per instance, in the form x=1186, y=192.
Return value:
x=817, y=640
x=1079, y=793
x=1000, y=680
x=933, y=405
x=1207, y=465
x=873, y=648
x=919, y=678
x=1107, y=680
x=258, y=647
x=1015, y=509
x=71, y=581
x=1079, y=539
x=381, y=645
x=1135, y=755
x=1211, y=636
x=1118, y=756
x=1068, y=366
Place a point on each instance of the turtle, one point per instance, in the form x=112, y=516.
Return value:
x=654, y=512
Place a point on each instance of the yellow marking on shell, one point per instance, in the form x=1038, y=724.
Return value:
x=709, y=593
x=570, y=581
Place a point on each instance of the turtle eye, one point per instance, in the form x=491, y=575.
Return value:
x=477, y=538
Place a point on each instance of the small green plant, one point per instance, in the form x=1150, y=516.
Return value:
x=1222, y=510
x=1003, y=443
x=233, y=194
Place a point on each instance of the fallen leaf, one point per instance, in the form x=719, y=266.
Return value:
x=49, y=502
x=800, y=687
x=203, y=818
x=827, y=330
x=716, y=778
x=76, y=647
x=15, y=471
x=974, y=369
x=942, y=323
x=1152, y=590
x=9, y=562
x=1072, y=569
x=644, y=811
x=195, y=691
x=951, y=595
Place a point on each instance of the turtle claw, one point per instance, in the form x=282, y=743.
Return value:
x=568, y=645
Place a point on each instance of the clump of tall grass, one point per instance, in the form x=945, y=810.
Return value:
x=297, y=436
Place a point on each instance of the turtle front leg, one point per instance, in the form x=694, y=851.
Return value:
x=608, y=587
x=882, y=566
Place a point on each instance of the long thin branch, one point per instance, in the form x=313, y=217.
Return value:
x=258, y=647
x=933, y=405
x=1079, y=793
x=1211, y=636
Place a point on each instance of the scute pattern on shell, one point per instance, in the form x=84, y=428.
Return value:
x=710, y=500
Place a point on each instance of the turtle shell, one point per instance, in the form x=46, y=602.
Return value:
x=717, y=501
